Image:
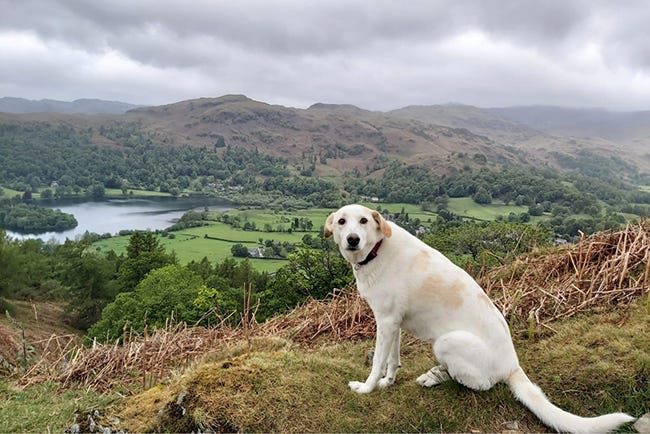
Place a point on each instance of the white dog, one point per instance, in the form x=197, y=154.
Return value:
x=410, y=285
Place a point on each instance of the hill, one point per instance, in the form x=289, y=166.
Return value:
x=79, y=106
x=477, y=120
x=36, y=324
x=616, y=126
x=579, y=315
x=336, y=138
x=340, y=138
x=542, y=129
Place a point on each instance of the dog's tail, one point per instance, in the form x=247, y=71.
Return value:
x=562, y=421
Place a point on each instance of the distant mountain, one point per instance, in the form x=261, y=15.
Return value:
x=79, y=106
x=475, y=119
x=333, y=139
x=629, y=127
x=548, y=129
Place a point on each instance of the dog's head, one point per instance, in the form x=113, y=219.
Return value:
x=356, y=230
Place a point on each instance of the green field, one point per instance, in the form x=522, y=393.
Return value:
x=466, y=207
x=193, y=245
x=196, y=243
x=116, y=192
x=414, y=211
x=109, y=192
x=8, y=193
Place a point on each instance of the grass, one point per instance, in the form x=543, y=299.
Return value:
x=109, y=192
x=116, y=192
x=192, y=244
x=466, y=207
x=287, y=379
x=414, y=211
x=594, y=364
x=44, y=408
x=9, y=193
x=276, y=387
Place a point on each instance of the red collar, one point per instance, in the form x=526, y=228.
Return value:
x=372, y=255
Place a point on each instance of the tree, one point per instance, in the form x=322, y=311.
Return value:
x=482, y=196
x=536, y=210
x=47, y=194
x=89, y=279
x=309, y=273
x=97, y=192
x=144, y=253
x=490, y=243
x=239, y=250
x=166, y=292
x=8, y=265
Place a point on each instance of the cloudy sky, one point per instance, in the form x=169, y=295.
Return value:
x=376, y=54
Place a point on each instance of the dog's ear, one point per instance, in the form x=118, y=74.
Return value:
x=384, y=227
x=329, y=226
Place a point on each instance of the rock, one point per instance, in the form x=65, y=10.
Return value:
x=91, y=422
x=512, y=426
x=370, y=354
x=642, y=424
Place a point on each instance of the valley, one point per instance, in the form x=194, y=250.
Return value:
x=235, y=192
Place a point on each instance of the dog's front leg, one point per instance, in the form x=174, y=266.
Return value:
x=393, y=364
x=387, y=337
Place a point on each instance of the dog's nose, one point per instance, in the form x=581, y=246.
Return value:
x=353, y=240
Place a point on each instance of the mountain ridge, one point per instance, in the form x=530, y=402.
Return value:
x=78, y=106
x=338, y=138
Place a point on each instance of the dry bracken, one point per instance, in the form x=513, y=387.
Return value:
x=600, y=271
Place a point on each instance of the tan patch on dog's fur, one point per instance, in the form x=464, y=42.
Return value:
x=449, y=295
x=485, y=299
x=420, y=261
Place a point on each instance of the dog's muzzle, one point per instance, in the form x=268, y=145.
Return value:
x=353, y=241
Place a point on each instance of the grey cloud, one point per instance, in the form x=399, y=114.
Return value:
x=372, y=53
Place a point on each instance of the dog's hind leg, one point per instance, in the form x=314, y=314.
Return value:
x=466, y=358
x=433, y=377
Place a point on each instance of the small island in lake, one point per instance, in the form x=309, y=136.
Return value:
x=34, y=219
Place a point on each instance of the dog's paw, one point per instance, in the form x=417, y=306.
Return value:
x=359, y=387
x=385, y=382
x=433, y=377
x=425, y=381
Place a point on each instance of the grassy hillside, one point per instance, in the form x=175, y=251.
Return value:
x=579, y=315
x=272, y=385
x=39, y=321
x=592, y=364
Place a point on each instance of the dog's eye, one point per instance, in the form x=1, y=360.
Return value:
x=341, y=221
x=363, y=220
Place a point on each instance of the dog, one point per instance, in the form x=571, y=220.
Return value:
x=410, y=285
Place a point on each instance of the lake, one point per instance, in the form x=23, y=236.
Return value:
x=115, y=215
